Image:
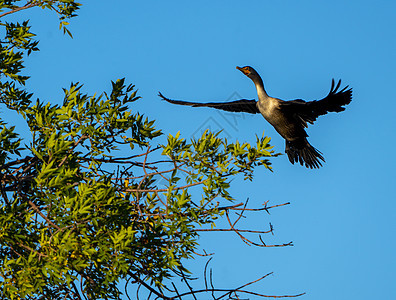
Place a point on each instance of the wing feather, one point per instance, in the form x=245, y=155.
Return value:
x=243, y=105
x=307, y=112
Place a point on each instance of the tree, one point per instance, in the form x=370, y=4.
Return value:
x=92, y=197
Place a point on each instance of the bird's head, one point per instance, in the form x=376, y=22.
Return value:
x=248, y=71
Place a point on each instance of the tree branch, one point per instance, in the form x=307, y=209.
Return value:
x=233, y=229
x=137, y=279
x=29, y=5
x=37, y=210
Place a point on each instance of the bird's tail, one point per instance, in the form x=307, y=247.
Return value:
x=303, y=152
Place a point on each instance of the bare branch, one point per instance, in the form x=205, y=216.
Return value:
x=176, y=291
x=189, y=286
x=29, y=5
x=228, y=292
x=232, y=229
x=206, y=266
x=205, y=254
x=265, y=208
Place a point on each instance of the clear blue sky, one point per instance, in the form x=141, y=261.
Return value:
x=342, y=219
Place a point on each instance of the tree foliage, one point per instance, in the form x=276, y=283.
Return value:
x=93, y=195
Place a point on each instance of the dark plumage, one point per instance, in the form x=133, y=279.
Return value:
x=289, y=118
x=243, y=105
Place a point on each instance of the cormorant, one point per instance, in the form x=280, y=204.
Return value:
x=289, y=118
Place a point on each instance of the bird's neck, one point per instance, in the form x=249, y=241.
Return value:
x=262, y=94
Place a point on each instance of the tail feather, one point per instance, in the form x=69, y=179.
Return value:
x=304, y=153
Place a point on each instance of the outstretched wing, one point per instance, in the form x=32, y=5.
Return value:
x=308, y=112
x=243, y=105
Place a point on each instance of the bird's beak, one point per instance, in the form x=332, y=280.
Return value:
x=243, y=70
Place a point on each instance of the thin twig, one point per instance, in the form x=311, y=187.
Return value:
x=206, y=266
x=76, y=292
x=37, y=210
x=241, y=291
x=148, y=287
x=264, y=208
x=237, y=207
x=233, y=229
x=190, y=288
x=205, y=254
x=240, y=215
x=176, y=291
x=245, y=285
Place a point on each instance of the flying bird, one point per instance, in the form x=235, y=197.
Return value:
x=289, y=118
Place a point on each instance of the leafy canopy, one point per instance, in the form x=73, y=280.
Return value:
x=92, y=195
